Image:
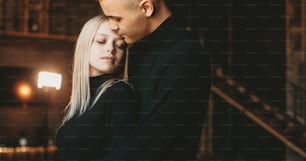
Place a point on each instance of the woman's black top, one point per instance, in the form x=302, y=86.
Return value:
x=100, y=129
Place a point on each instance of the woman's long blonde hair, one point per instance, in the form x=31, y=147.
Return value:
x=80, y=92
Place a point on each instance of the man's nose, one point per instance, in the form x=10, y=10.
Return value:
x=114, y=26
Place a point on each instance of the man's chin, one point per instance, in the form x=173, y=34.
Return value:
x=128, y=41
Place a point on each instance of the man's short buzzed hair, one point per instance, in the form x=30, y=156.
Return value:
x=134, y=3
x=131, y=3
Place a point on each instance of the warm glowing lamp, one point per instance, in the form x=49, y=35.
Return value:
x=48, y=80
x=24, y=91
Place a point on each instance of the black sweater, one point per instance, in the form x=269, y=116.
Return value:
x=94, y=134
x=170, y=72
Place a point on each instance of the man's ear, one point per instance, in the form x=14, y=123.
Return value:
x=147, y=7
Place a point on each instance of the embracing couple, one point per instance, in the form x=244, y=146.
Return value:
x=140, y=87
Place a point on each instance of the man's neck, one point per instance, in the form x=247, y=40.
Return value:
x=161, y=14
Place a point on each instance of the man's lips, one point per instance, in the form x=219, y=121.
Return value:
x=122, y=35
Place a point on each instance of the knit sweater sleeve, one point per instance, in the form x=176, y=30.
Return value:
x=124, y=116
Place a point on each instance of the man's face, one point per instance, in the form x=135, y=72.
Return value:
x=128, y=21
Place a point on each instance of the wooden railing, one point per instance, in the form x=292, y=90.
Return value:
x=281, y=125
x=39, y=35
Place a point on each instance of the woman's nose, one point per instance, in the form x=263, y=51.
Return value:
x=110, y=49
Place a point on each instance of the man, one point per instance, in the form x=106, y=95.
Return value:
x=170, y=72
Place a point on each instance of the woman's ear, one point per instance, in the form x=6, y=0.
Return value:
x=147, y=7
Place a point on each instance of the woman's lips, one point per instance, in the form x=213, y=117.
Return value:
x=107, y=58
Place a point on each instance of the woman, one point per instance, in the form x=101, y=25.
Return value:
x=103, y=109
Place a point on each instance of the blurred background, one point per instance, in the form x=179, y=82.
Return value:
x=257, y=108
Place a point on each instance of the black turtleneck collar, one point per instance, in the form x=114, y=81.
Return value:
x=159, y=35
x=96, y=81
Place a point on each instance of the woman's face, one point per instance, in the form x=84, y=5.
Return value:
x=107, y=51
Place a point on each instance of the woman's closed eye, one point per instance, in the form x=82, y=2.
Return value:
x=101, y=41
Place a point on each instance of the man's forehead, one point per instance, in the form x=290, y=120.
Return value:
x=111, y=5
x=116, y=9
x=122, y=4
